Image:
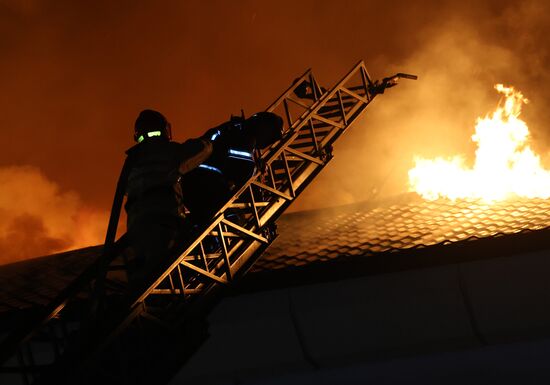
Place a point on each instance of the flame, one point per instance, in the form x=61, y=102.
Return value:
x=505, y=165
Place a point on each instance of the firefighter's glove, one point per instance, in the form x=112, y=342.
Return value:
x=218, y=136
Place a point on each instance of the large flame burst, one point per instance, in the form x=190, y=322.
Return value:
x=505, y=165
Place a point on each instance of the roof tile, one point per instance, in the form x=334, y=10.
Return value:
x=358, y=230
x=363, y=230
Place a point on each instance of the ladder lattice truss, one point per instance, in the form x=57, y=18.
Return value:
x=66, y=343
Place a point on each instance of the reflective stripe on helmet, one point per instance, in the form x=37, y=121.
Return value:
x=151, y=134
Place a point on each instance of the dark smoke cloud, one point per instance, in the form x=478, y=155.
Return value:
x=75, y=74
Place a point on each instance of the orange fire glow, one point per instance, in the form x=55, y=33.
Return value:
x=505, y=165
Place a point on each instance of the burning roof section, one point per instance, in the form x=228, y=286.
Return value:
x=363, y=230
x=354, y=231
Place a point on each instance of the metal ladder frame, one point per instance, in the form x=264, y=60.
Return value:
x=313, y=122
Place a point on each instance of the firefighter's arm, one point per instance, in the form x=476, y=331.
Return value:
x=194, y=151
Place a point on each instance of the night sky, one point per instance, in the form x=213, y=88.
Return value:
x=75, y=75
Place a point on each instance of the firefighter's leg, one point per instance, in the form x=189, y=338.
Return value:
x=153, y=242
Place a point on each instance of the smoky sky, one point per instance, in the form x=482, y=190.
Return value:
x=75, y=75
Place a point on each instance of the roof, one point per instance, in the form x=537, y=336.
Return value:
x=401, y=226
x=36, y=281
x=407, y=222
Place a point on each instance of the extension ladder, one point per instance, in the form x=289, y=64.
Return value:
x=143, y=334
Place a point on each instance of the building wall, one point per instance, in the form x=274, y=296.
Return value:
x=459, y=318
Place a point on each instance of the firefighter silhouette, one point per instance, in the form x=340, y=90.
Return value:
x=174, y=188
x=155, y=213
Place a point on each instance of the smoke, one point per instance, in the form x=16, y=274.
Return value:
x=38, y=218
x=458, y=62
x=75, y=75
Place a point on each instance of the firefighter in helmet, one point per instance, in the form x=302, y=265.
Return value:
x=234, y=160
x=155, y=213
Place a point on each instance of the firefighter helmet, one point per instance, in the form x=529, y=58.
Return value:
x=151, y=124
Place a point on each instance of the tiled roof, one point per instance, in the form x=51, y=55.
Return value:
x=37, y=281
x=352, y=231
x=363, y=230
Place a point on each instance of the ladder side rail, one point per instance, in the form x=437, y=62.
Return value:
x=303, y=121
x=312, y=169
x=231, y=201
x=296, y=126
x=316, y=164
x=253, y=238
x=273, y=152
x=307, y=171
x=272, y=157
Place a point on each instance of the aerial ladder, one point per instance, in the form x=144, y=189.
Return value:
x=99, y=329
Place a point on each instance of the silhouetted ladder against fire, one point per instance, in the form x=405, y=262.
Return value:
x=98, y=330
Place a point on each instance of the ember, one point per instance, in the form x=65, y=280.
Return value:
x=505, y=166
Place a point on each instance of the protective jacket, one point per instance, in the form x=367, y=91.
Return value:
x=153, y=189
